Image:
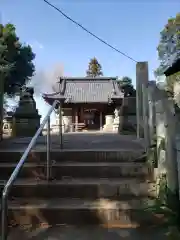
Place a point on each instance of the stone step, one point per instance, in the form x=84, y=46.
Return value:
x=79, y=170
x=81, y=188
x=89, y=232
x=103, y=155
x=75, y=211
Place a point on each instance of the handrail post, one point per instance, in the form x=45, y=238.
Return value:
x=4, y=217
x=60, y=125
x=11, y=180
x=48, y=139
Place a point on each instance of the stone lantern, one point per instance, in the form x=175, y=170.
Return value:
x=26, y=118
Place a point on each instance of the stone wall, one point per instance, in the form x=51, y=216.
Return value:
x=158, y=123
x=129, y=116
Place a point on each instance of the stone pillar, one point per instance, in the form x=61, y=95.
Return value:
x=177, y=144
x=160, y=134
x=130, y=114
x=178, y=160
x=141, y=78
x=123, y=116
x=171, y=164
x=152, y=113
x=145, y=115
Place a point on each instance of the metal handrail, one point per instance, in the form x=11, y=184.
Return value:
x=7, y=187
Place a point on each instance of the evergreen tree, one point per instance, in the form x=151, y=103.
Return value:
x=16, y=65
x=169, y=48
x=126, y=86
x=94, y=68
x=16, y=60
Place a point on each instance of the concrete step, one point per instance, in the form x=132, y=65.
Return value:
x=75, y=211
x=81, y=188
x=90, y=140
x=102, y=155
x=79, y=170
x=89, y=232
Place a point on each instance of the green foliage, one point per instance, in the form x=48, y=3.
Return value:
x=16, y=64
x=169, y=47
x=126, y=85
x=126, y=81
x=170, y=80
x=94, y=68
x=166, y=206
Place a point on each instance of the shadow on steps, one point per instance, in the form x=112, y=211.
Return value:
x=67, y=232
x=46, y=222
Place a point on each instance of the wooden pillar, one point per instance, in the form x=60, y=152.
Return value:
x=100, y=119
x=81, y=114
x=76, y=119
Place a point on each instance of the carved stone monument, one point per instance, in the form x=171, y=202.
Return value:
x=26, y=117
x=116, y=115
x=116, y=122
x=8, y=123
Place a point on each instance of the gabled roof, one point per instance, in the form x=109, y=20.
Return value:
x=86, y=90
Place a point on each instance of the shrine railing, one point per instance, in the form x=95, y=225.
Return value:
x=13, y=177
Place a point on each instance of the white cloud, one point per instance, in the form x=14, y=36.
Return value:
x=36, y=45
x=44, y=80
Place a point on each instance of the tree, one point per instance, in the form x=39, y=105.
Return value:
x=126, y=85
x=94, y=68
x=16, y=60
x=169, y=49
x=170, y=80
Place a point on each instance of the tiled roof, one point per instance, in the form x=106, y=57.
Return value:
x=84, y=90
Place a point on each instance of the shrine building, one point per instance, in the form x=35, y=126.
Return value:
x=87, y=103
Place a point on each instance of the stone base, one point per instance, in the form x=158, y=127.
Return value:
x=116, y=127
x=65, y=128
x=108, y=128
x=68, y=128
x=25, y=127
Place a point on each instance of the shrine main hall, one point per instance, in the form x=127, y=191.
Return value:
x=87, y=103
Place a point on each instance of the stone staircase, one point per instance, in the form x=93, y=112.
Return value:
x=108, y=188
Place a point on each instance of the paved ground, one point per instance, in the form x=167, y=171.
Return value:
x=90, y=140
x=90, y=233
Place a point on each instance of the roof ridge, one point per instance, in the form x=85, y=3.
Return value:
x=89, y=78
x=82, y=90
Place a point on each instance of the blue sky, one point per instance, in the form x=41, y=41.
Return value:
x=131, y=26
